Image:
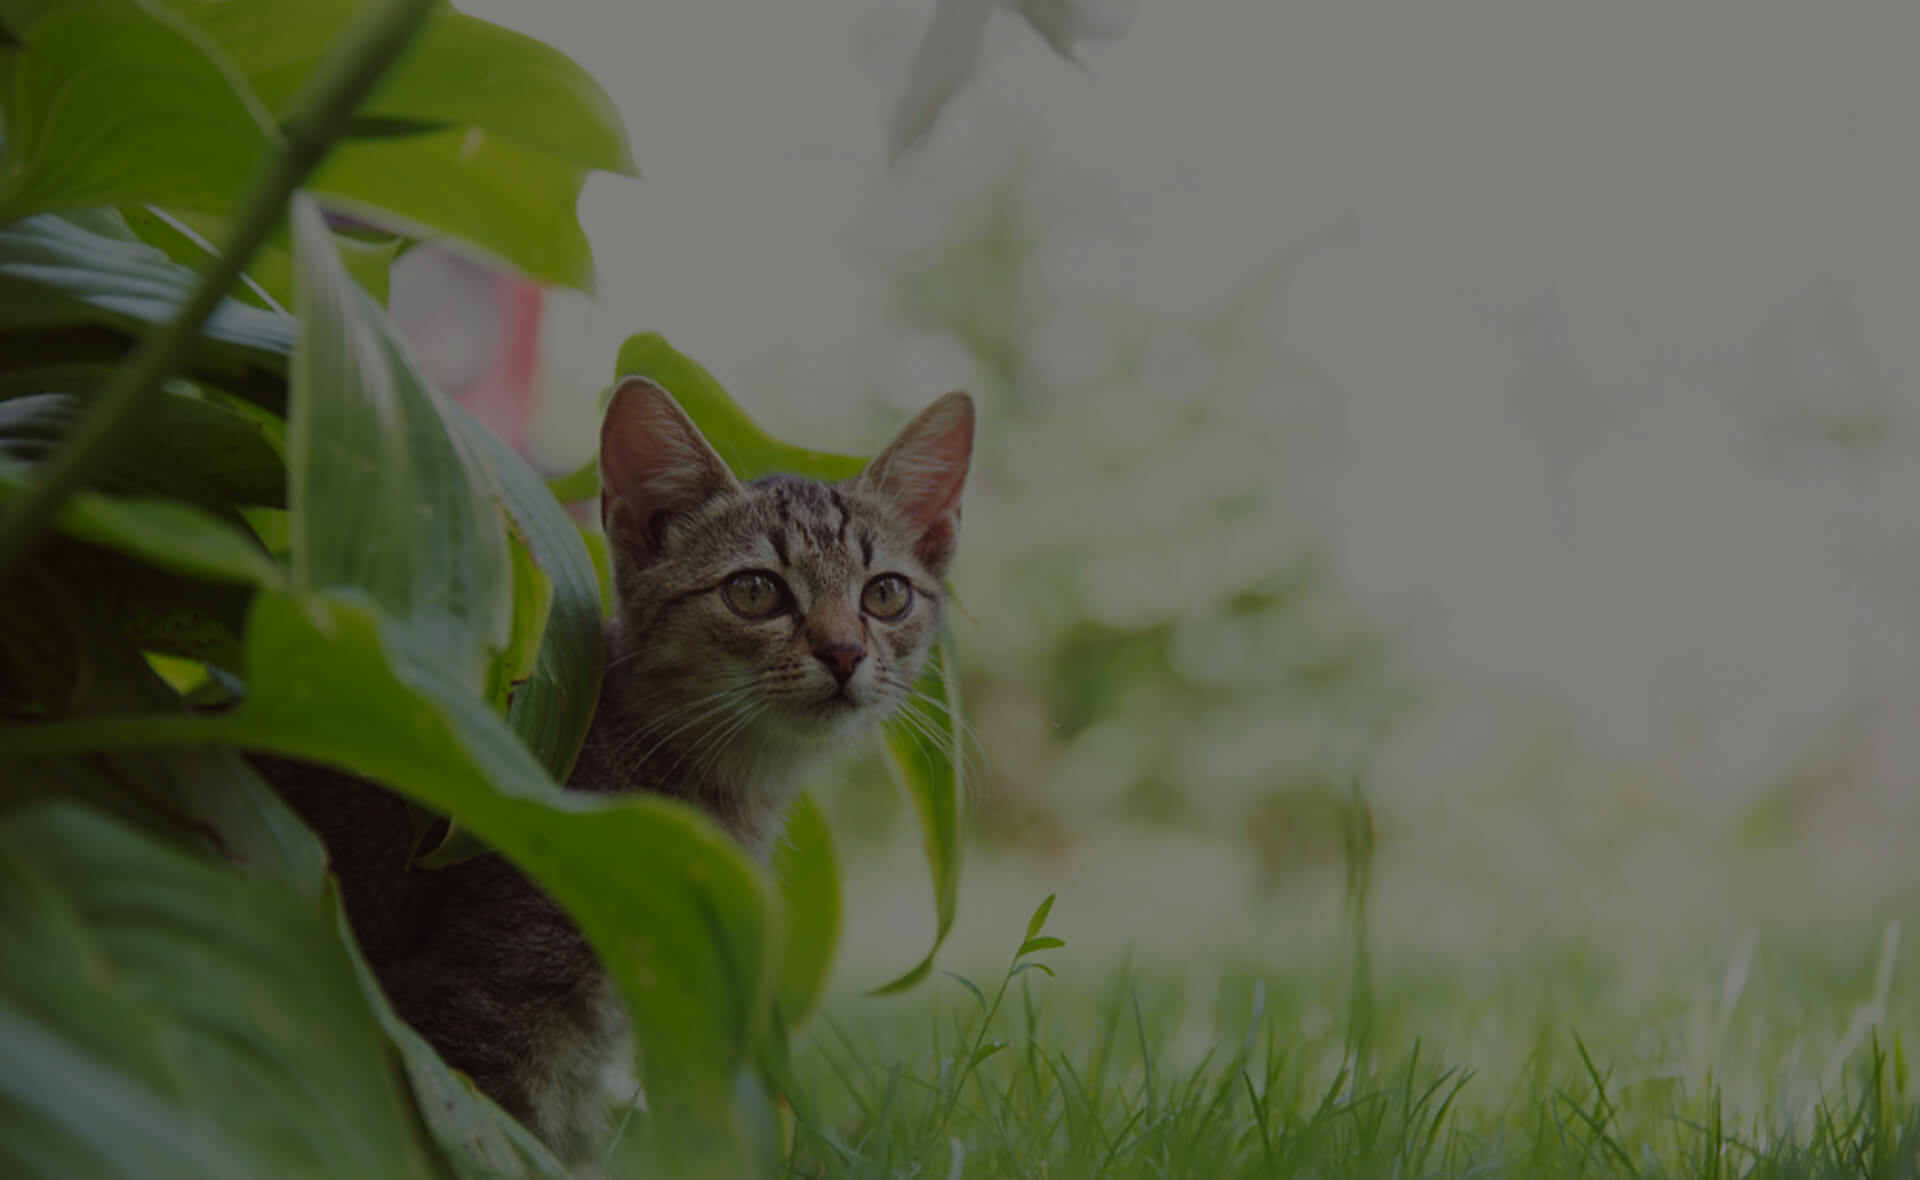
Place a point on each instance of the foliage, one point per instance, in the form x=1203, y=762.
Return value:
x=228, y=527
x=1560, y=1068
x=1167, y=645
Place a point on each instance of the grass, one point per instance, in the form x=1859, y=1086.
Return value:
x=1768, y=1048
x=1043, y=1078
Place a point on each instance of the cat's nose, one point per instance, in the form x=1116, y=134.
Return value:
x=840, y=659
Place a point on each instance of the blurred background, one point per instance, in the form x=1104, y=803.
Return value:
x=1501, y=413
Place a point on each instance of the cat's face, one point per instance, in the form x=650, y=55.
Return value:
x=762, y=619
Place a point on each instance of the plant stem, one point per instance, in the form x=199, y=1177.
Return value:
x=342, y=79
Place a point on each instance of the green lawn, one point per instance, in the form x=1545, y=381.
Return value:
x=1787, y=1065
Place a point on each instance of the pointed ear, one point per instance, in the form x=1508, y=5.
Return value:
x=920, y=474
x=654, y=465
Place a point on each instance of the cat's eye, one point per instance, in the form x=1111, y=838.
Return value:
x=887, y=597
x=755, y=594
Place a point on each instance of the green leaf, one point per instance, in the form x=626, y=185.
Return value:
x=99, y=593
x=1039, y=919
x=167, y=533
x=1034, y=966
x=582, y=483
x=808, y=880
x=55, y=275
x=677, y=914
x=384, y=497
x=971, y=986
x=511, y=204
x=188, y=239
x=189, y=448
x=532, y=600
x=460, y=72
x=149, y=973
x=1041, y=944
x=121, y=103
x=58, y=1094
x=115, y=102
x=553, y=707
x=983, y=1052
x=750, y=451
x=929, y=773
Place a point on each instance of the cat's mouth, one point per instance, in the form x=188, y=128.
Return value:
x=835, y=704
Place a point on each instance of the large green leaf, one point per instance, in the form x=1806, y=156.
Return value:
x=808, y=880
x=166, y=533
x=383, y=496
x=112, y=101
x=187, y=447
x=188, y=238
x=88, y=590
x=552, y=707
x=479, y=133
x=460, y=71
x=516, y=205
x=749, y=450
x=55, y=275
x=151, y=985
x=676, y=912
x=57, y=1093
x=213, y=799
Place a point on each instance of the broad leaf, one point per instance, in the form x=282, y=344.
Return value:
x=553, y=706
x=57, y=1092
x=214, y=799
x=56, y=275
x=97, y=591
x=185, y=446
x=749, y=450
x=384, y=497
x=167, y=533
x=152, y=973
x=459, y=72
x=189, y=238
x=807, y=879
x=672, y=906
x=113, y=102
x=511, y=203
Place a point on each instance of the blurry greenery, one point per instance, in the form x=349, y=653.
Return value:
x=1161, y=642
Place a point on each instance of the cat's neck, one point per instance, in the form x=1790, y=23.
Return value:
x=638, y=742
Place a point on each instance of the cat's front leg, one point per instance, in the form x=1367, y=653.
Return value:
x=508, y=992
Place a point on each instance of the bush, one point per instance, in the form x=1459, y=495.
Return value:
x=227, y=527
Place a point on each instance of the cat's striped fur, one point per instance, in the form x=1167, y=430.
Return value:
x=706, y=697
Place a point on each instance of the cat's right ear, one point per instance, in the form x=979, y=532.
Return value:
x=654, y=465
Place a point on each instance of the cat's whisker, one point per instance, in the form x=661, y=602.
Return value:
x=722, y=736
x=969, y=735
x=932, y=740
x=629, y=741
x=910, y=699
x=717, y=704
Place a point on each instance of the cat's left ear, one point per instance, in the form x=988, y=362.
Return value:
x=920, y=474
x=654, y=466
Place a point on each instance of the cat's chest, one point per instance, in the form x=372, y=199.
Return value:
x=584, y=1049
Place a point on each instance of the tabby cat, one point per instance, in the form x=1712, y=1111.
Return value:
x=757, y=626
